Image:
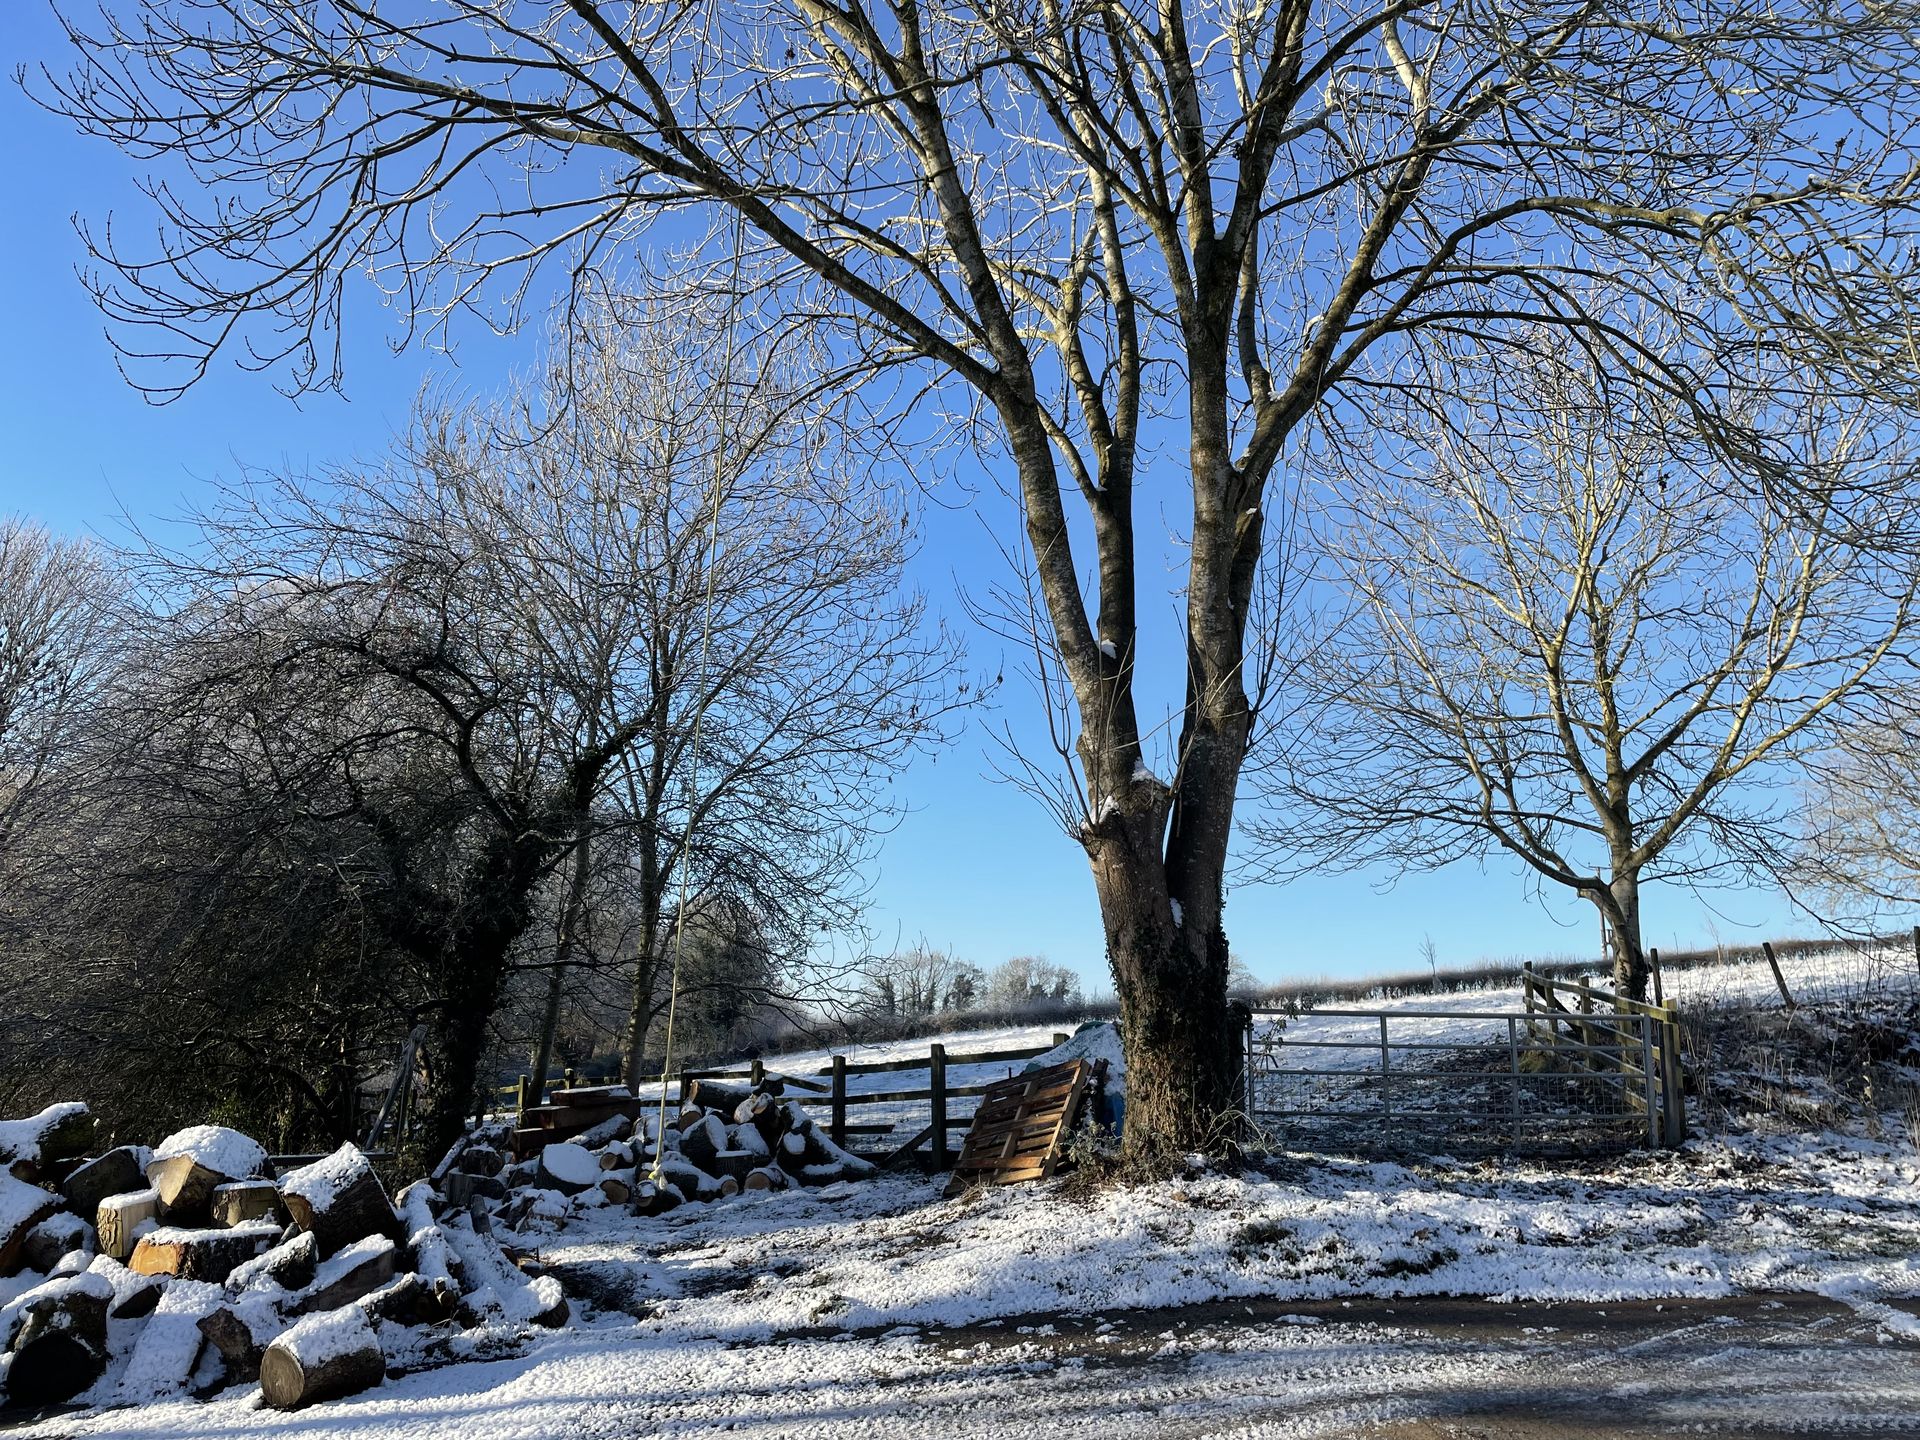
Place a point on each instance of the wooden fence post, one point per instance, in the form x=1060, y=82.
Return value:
x=520, y=1106
x=1672, y=1078
x=1060, y=1037
x=1916, y=947
x=837, y=1123
x=1653, y=963
x=1786, y=998
x=1586, y=1030
x=757, y=1074
x=937, y=1066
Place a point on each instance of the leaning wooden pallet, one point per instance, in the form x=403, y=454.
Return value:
x=1020, y=1130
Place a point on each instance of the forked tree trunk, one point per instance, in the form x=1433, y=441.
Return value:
x=1170, y=973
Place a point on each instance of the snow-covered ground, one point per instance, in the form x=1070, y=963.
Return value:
x=882, y=1308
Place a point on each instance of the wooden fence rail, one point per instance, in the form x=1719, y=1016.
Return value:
x=835, y=1096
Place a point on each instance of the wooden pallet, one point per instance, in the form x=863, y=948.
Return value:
x=1021, y=1127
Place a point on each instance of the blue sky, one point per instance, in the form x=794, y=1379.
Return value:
x=976, y=864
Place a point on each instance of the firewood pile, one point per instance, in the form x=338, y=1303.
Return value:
x=131, y=1274
x=598, y=1146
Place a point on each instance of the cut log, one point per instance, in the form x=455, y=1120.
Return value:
x=59, y=1132
x=692, y=1182
x=811, y=1158
x=209, y=1255
x=117, y=1172
x=767, y=1177
x=239, y=1202
x=745, y=1137
x=723, y=1095
x=355, y=1272
x=239, y=1346
x=61, y=1347
x=591, y=1095
x=53, y=1239
x=617, y=1156
x=463, y=1189
x=322, y=1358
x=766, y=1115
x=288, y=1266
x=498, y=1290
x=137, y=1300
x=703, y=1140
x=22, y=1207
x=567, y=1168
x=190, y=1164
x=617, y=1186
x=650, y=1198
x=481, y=1160
x=405, y=1300
x=617, y=1128
x=122, y=1219
x=429, y=1254
x=734, y=1164
x=340, y=1200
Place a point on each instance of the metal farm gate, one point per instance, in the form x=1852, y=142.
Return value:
x=1575, y=1068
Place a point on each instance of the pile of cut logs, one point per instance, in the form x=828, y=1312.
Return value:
x=191, y=1267
x=725, y=1139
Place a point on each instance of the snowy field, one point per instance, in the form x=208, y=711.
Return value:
x=882, y=1309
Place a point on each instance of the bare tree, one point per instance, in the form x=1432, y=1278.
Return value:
x=55, y=604
x=1579, y=637
x=919, y=980
x=1030, y=980
x=685, y=536
x=468, y=663
x=1861, y=842
x=1103, y=228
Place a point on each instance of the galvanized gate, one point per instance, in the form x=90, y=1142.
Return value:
x=1545, y=1077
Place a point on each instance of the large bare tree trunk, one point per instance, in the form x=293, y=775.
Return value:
x=1631, y=971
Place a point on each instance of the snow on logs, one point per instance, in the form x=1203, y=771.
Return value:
x=189, y=1165
x=217, y=1288
x=339, y=1199
x=322, y=1358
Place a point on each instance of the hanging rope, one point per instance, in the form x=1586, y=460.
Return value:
x=721, y=438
